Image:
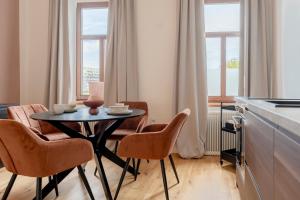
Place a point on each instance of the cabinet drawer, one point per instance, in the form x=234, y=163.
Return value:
x=286, y=167
x=250, y=189
x=259, y=137
x=240, y=180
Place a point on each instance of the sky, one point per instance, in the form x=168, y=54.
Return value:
x=94, y=21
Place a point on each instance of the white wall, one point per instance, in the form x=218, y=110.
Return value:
x=9, y=52
x=156, y=21
x=33, y=50
x=290, y=47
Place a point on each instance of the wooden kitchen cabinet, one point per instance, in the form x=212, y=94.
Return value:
x=286, y=166
x=272, y=151
x=259, y=149
x=250, y=190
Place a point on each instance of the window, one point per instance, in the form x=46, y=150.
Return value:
x=91, y=40
x=222, y=25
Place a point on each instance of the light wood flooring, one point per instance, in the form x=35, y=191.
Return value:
x=200, y=179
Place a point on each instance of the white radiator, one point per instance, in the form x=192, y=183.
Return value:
x=212, y=146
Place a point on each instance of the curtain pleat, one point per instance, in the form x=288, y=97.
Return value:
x=121, y=72
x=191, y=86
x=61, y=59
x=258, y=70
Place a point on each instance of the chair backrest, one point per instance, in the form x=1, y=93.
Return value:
x=154, y=144
x=18, y=145
x=22, y=115
x=172, y=130
x=136, y=123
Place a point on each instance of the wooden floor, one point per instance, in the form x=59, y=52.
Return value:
x=200, y=179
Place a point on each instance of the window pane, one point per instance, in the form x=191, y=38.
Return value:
x=222, y=17
x=213, y=48
x=90, y=64
x=232, y=65
x=94, y=21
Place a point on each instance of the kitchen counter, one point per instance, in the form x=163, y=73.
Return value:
x=271, y=148
x=287, y=118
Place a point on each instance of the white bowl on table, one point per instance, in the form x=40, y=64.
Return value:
x=118, y=109
x=69, y=107
x=61, y=108
x=58, y=109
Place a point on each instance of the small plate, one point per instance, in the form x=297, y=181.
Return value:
x=70, y=110
x=127, y=112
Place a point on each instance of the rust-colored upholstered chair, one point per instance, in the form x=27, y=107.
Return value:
x=43, y=129
x=23, y=152
x=156, y=142
x=129, y=126
x=132, y=125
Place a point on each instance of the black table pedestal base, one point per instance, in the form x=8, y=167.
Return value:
x=98, y=140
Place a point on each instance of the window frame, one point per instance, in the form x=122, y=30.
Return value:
x=79, y=46
x=223, y=36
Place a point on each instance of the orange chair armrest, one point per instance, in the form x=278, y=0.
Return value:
x=154, y=127
x=148, y=145
x=65, y=154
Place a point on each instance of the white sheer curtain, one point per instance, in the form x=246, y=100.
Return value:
x=61, y=51
x=259, y=69
x=121, y=73
x=191, y=77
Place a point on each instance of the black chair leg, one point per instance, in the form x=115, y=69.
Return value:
x=9, y=186
x=174, y=168
x=85, y=181
x=133, y=163
x=56, y=188
x=137, y=169
x=122, y=178
x=116, y=147
x=39, y=195
x=95, y=172
x=163, y=171
x=56, y=185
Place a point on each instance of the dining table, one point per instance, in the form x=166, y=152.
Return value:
x=98, y=139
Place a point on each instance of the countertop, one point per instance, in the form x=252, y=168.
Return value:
x=287, y=118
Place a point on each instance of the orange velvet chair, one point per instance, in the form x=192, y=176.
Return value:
x=23, y=152
x=43, y=129
x=129, y=126
x=156, y=142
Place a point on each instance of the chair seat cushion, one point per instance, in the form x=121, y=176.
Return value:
x=119, y=134
x=56, y=136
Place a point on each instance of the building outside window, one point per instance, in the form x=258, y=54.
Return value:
x=91, y=40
